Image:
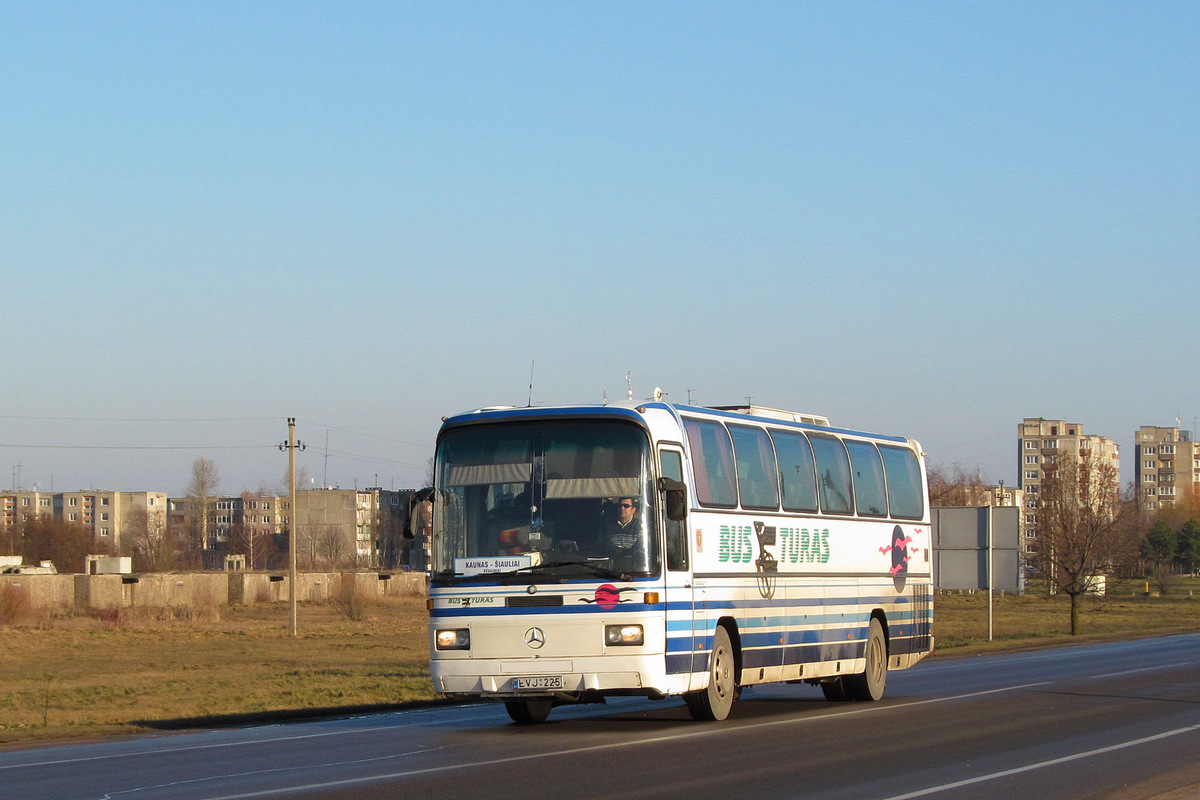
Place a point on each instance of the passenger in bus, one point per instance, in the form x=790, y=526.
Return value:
x=624, y=531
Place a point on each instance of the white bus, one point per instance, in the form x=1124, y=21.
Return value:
x=666, y=550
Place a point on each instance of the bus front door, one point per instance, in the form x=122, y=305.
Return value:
x=682, y=656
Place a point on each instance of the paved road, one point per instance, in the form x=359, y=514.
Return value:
x=1119, y=721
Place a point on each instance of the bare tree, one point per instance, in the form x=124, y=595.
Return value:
x=1085, y=528
x=66, y=544
x=322, y=547
x=430, y=472
x=308, y=545
x=250, y=538
x=332, y=548
x=10, y=540
x=200, y=491
x=953, y=487
x=302, y=481
x=147, y=540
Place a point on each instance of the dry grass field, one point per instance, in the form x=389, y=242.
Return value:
x=70, y=677
x=1035, y=620
x=67, y=677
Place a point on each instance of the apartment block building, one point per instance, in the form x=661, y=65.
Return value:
x=350, y=526
x=1167, y=466
x=1049, y=443
x=334, y=527
x=108, y=516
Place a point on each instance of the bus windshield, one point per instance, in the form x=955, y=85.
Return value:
x=544, y=500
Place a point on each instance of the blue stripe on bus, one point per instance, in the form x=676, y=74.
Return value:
x=499, y=609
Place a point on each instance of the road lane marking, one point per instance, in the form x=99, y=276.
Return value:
x=241, y=743
x=707, y=731
x=209, y=746
x=253, y=773
x=1155, y=668
x=1043, y=764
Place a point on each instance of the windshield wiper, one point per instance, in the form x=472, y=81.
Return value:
x=508, y=575
x=596, y=569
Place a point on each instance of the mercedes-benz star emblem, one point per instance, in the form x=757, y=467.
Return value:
x=535, y=638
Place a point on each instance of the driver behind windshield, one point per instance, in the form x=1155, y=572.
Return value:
x=623, y=531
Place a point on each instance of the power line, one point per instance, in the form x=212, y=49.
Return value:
x=139, y=447
x=373, y=459
x=367, y=435
x=141, y=419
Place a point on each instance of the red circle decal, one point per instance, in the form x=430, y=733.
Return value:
x=607, y=596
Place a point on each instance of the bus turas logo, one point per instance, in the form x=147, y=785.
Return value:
x=608, y=596
x=766, y=564
x=734, y=544
x=796, y=545
x=901, y=550
x=804, y=546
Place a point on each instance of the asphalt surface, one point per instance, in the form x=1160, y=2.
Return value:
x=1119, y=721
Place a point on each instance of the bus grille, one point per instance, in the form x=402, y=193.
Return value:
x=534, y=601
x=922, y=599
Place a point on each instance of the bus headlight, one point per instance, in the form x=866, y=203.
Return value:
x=619, y=635
x=452, y=639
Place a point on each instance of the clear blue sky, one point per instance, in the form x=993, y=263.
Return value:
x=931, y=219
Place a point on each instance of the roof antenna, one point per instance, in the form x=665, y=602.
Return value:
x=529, y=404
x=629, y=386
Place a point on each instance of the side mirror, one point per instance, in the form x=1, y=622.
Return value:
x=416, y=508
x=674, y=498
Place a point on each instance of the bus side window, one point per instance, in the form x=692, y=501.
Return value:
x=869, y=493
x=904, y=482
x=797, y=470
x=758, y=476
x=833, y=469
x=671, y=467
x=712, y=460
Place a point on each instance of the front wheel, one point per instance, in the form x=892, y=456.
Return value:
x=529, y=712
x=715, y=702
x=870, y=684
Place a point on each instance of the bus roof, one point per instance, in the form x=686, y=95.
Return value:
x=776, y=413
x=636, y=411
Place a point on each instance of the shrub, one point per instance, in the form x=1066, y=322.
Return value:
x=15, y=605
x=350, y=599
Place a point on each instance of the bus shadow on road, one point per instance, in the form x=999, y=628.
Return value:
x=759, y=704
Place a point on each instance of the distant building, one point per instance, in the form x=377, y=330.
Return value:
x=107, y=516
x=359, y=527
x=1046, y=444
x=1167, y=466
x=335, y=528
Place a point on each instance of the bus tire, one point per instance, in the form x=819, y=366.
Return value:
x=871, y=683
x=835, y=690
x=714, y=703
x=529, y=712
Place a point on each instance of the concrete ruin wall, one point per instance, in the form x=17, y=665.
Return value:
x=202, y=589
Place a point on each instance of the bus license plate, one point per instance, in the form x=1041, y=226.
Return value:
x=539, y=682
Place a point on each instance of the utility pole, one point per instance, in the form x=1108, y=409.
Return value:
x=291, y=445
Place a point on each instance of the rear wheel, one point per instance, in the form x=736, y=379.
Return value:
x=835, y=690
x=871, y=684
x=529, y=712
x=715, y=702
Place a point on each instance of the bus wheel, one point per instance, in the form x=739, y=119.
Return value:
x=873, y=680
x=715, y=702
x=529, y=712
x=835, y=690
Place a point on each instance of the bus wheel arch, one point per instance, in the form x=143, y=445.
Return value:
x=714, y=702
